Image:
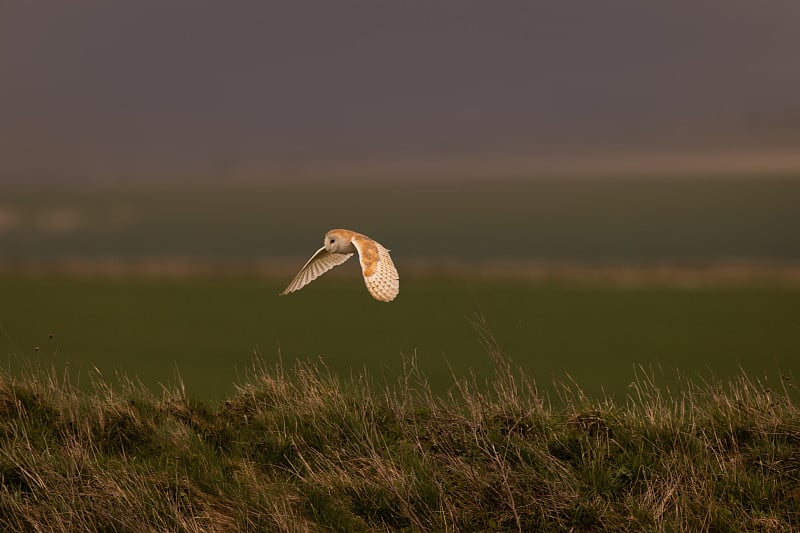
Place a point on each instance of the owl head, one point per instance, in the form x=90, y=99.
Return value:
x=335, y=243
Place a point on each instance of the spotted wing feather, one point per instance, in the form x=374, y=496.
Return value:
x=380, y=274
x=320, y=262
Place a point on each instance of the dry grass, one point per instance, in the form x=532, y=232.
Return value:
x=301, y=449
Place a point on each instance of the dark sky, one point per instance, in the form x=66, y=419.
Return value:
x=109, y=90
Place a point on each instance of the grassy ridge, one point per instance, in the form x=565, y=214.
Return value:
x=300, y=449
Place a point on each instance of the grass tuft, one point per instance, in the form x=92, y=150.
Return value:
x=301, y=449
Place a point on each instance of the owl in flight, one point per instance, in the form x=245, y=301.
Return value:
x=379, y=272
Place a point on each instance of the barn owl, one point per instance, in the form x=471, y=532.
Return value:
x=379, y=272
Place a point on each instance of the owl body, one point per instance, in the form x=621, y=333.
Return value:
x=380, y=274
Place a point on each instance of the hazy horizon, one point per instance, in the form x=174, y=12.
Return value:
x=112, y=91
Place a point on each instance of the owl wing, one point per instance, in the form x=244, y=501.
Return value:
x=379, y=272
x=320, y=262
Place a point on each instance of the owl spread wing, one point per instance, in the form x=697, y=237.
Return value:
x=320, y=262
x=380, y=275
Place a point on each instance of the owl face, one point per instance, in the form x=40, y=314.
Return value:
x=331, y=243
x=335, y=244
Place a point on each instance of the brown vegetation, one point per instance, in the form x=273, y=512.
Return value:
x=302, y=449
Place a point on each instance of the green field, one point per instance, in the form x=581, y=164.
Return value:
x=208, y=329
x=208, y=326
x=690, y=422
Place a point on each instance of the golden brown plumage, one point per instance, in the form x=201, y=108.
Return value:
x=380, y=274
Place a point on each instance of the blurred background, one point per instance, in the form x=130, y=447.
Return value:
x=607, y=184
